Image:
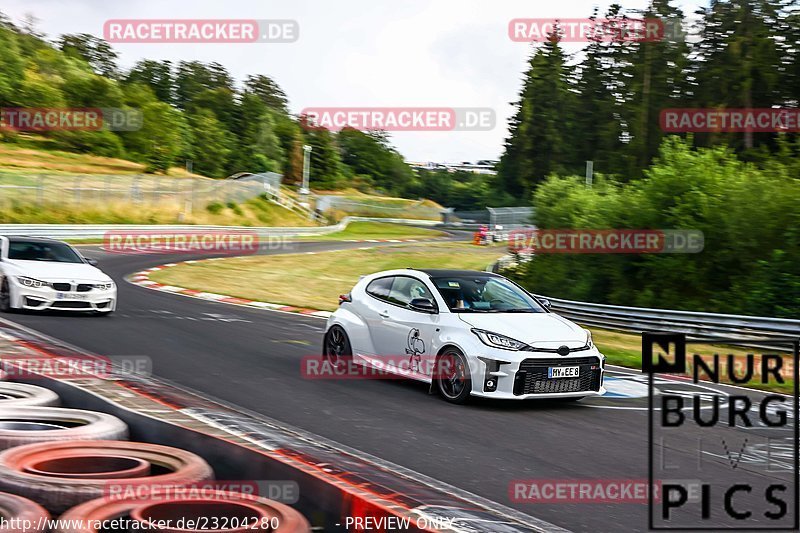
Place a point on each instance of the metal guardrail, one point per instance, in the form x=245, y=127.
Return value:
x=98, y=231
x=748, y=330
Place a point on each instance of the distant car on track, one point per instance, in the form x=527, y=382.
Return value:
x=467, y=333
x=46, y=274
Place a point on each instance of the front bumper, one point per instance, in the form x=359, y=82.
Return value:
x=527, y=377
x=49, y=299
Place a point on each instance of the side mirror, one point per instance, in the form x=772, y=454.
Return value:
x=545, y=303
x=92, y=262
x=422, y=304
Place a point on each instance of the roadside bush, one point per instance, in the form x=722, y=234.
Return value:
x=747, y=215
x=215, y=208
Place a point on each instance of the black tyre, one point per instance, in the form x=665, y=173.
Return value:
x=26, y=425
x=337, y=349
x=453, y=378
x=5, y=297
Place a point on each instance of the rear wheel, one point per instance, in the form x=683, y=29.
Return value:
x=453, y=376
x=337, y=347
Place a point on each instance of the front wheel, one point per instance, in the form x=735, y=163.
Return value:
x=337, y=349
x=453, y=376
x=5, y=297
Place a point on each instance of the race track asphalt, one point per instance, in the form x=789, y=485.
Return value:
x=251, y=358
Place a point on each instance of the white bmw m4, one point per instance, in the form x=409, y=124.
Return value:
x=45, y=274
x=467, y=333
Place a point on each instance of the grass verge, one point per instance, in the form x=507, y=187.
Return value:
x=253, y=212
x=38, y=157
x=316, y=281
x=377, y=230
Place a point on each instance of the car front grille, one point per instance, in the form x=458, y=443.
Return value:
x=68, y=287
x=71, y=305
x=555, y=350
x=532, y=376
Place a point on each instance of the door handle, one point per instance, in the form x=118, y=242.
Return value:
x=385, y=314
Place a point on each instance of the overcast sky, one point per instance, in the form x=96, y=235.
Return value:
x=453, y=53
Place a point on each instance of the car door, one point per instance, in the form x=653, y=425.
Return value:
x=406, y=334
x=373, y=311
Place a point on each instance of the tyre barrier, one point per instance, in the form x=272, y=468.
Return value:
x=60, y=475
x=26, y=425
x=23, y=395
x=20, y=515
x=241, y=512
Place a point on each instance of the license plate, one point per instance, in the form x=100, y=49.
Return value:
x=564, y=372
x=70, y=296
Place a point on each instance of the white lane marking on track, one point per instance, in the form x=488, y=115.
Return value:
x=639, y=377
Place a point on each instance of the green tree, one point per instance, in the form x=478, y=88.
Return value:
x=371, y=155
x=267, y=146
x=538, y=142
x=194, y=77
x=97, y=52
x=326, y=169
x=11, y=67
x=210, y=143
x=267, y=91
x=657, y=79
x=739, y=62
x=155, y=74
x=161, y=139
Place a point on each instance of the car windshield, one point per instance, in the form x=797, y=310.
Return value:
x=485, y=294
x=43, y=251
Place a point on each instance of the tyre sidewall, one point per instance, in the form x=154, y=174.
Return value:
x=466, y=393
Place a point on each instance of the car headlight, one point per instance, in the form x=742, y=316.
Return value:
x=499, y=341
x=104, y=286
x=589, y=342
x=31, y=282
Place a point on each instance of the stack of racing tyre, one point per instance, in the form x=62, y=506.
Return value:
x=79, y=466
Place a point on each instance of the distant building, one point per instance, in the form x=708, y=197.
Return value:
x=482, y=166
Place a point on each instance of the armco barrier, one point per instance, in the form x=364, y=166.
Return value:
x=97, y=231
x=750, y=329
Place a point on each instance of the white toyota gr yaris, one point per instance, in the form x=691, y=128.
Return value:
x=466, y=333
x=45, y=274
